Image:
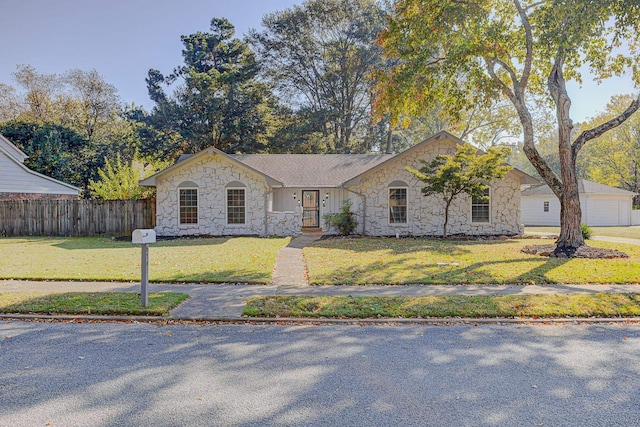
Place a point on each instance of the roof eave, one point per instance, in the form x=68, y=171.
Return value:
x=151, y=181
x=45, y=177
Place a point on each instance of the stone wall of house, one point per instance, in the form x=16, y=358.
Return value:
x=37, y=196
x=425, y=215
x=211, y=174
x=285, y=223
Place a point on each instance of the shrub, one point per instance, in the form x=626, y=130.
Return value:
x=586, y=231
x=344, y=220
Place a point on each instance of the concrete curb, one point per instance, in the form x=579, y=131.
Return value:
x=323, y=321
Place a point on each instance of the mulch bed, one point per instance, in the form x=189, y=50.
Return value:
x=582, y=252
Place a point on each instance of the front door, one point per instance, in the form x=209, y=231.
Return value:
x=311, y=210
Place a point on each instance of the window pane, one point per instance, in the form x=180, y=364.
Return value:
x=397, y=205
x=189, y=206
x=480, y=208
x=235, y=206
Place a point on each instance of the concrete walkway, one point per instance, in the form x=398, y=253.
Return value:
x=290, y=267
x=226, y=301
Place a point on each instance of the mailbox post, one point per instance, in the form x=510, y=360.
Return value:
x=143, y=237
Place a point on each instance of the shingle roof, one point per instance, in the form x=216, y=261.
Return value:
x=312, y=170
x=584, y=187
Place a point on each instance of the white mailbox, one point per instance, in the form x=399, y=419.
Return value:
x=143, y=236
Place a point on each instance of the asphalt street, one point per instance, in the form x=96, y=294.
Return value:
x=103, y=374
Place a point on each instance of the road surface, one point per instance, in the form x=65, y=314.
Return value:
x=66, y=374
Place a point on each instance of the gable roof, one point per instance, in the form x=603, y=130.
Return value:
x=185, y=159
x=316, y=170
x=11, y=150
x=524, y=177
x=312, y=170
x=15, y=155
x=584, y=187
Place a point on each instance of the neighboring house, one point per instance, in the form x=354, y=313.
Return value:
x=213, y=193
x=18, y=182
x=601, y=205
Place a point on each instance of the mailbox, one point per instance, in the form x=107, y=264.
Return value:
x=143, y=236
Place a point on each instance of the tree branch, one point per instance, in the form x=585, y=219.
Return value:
x=528, y=60
x=590, y=134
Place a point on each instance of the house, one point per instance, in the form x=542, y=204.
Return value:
x=601, y=205
x=18, y=182
x=213, y=193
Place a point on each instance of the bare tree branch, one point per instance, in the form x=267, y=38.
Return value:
x=590, y=134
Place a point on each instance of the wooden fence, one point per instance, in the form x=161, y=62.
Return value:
x=75, y=217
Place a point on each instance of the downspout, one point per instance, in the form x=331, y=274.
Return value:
x=364, y=208
x=266, y=211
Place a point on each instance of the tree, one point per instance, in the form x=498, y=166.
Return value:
x=119, y=181
x=53, y=150
x=319, y=56
x=219, y=101
x=464, y=172
x=96, y=101
x=463, y=53
x=614, y=158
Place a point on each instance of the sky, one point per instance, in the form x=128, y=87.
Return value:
x=123, y=39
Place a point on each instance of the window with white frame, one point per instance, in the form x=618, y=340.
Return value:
x=236, y=213
x=397, y=205
x=545, y=206
x=188, y=205
x=480, y=207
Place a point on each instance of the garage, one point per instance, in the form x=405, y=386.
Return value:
x=601, y=205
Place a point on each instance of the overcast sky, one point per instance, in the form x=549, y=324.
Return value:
x=123, y=39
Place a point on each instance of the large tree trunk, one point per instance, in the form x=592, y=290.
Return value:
x=570, y=237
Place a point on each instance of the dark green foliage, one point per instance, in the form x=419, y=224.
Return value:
x=586, y=231
x=344, y=221
x=54, y=150
x=218, y=100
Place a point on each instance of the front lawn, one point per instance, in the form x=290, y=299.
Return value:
x=241, y=259
x=107, y=303
x=507, y=306
x=434, y=261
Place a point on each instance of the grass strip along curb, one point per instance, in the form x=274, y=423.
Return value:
x=507, y=306
x=89, y=303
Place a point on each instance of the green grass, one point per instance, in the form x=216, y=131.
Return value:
x=536, y=306
x=435, y=261
x=107, y=303
x=240, y=259
x=624, y=232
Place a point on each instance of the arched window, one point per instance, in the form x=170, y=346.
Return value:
x=398, y=202
x=188, y=202
x=481, y=207
x=236, y=203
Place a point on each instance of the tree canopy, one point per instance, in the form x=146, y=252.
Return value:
x=465, y=53
x=319, y=57
x=219, y=101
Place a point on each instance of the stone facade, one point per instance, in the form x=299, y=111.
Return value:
x=275, y=211
x=285, y=223
x=425, y=215
x=211, y=175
